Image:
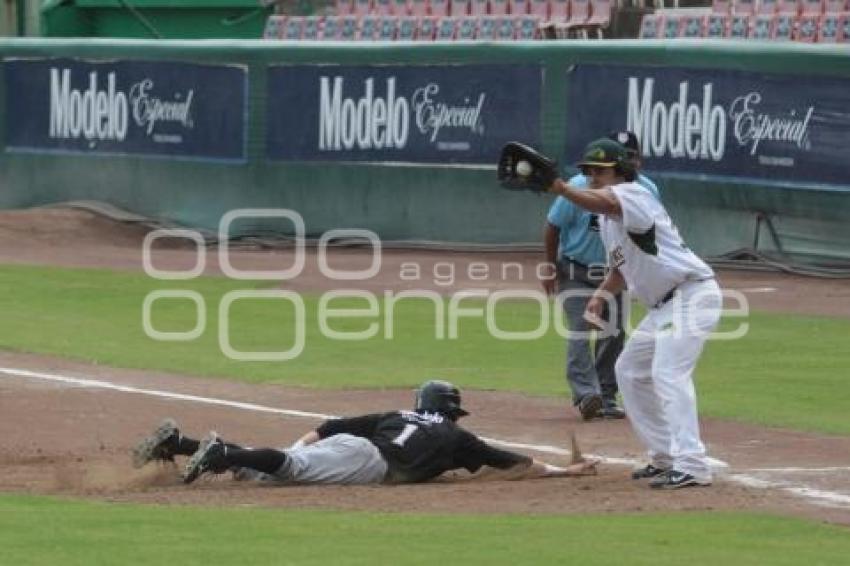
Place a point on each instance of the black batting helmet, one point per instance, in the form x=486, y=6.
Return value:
x=436, y=396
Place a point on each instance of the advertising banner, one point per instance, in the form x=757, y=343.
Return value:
x=167, y=109
x=458, y=114
x=717, y=122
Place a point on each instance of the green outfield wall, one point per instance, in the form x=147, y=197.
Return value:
x=716, y=199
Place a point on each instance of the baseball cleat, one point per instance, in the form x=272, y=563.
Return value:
x=612, y=411
x=209, y=458
x=647, y=472
x=589, y=406
x=673, y=479
x=157, y=446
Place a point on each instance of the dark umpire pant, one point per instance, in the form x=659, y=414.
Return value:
x=589, y=371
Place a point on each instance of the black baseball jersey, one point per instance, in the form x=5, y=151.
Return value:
x=421, y=446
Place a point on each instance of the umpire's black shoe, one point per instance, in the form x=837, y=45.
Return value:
x=673, y=479
x=647, y=472
x=209, y=458
x=589, y=406
x=611, y=410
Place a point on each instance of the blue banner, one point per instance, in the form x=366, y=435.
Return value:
x=393, y=113
x=178, y=110
x=749, y=125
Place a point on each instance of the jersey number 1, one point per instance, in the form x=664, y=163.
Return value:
x=408, y=431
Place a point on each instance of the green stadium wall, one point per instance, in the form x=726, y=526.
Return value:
x=428, y=202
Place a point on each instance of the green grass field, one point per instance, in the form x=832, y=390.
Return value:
x=788, y=371
x=46, y=531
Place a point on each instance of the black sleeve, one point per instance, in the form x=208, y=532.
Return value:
x=477, y=453
x=358, y=426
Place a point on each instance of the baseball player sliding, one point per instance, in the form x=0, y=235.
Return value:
x=647, y=256
x=393, y=447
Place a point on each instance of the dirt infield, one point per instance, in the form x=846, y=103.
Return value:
x=71, y=438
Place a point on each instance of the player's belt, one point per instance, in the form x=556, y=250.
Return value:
x=672, y=292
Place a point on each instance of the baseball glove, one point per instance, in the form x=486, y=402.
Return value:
x=524, y=168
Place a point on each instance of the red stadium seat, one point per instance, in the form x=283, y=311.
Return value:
x=811, y=7
x=400, y=8
x=387, y=28
x=721, y=6
x=506, y=28
x=579, y=16
x=692, y=25
x=539, y=8
x=828, y=28
x=331, y=28
x=368, y=28
x=440, y=8
x=487, y=27
x=783, y=27
x=600, y=16
x=362, y=8
x=500, y=7
x=520, y=7
x=767, y=7
x=478, y=7
x=745, y=7
x=344, y=7
x=349, y=26
x=382, y=7
x=418, y=8
x=789, y=7
x=559, y=10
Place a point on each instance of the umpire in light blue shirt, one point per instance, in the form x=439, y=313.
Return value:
x=574, y=248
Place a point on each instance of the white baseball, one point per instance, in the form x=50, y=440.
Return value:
x=523, y=168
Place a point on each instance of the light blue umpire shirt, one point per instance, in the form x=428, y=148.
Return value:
x=578, y=242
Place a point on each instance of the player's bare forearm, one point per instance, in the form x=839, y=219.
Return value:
x=550, y=242
x=613, y=283
x=600, y=201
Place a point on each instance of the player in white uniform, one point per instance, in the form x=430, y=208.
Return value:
x=647, y=256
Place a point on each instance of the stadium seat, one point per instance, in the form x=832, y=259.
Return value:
x=418, y=8
x=407, y=28
x=441, y=8
x=745, y=7
x=382, y=7
x=506, y=27
x=330, y=29
x=783, y=27
x=811, y=7
x=767, y=7
x=467, y=29
x=348, y=28
x=672, y=22
x=716, y=25
x=427, y=29
x=806, y=28
x=478, y=7
x=387, y=27
x=721, y=6
x=651, y=26
x=520, y=7
x=294, y=28
x=600, y=16
x=828, y=29
x=528, y=27
x=763, y=25
x=275, y=27
x=487, y=26
x=739, y=26
x=447, y=29
x=400, y=8
x=835, y=6
x=579, y=15
x=368, y=30
x=362, y=8
x=559, y=10
x=500, y=7
x=789, y=7
x=692, y=25
x=539, y=8
x=344, y=7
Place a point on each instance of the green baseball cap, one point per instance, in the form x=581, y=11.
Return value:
x=603, y=152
